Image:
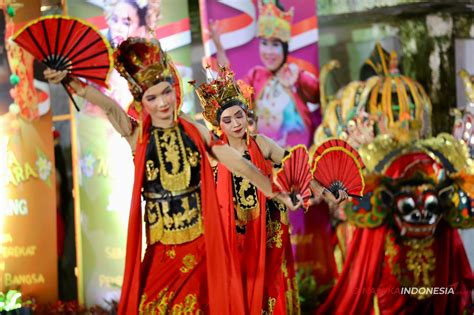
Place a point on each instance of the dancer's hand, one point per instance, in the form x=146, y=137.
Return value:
x=285, y=198
x=54, y=76
x=331, y=199
x=214, y=32
x=361, y=130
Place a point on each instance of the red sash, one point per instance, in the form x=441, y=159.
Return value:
x=255, y=237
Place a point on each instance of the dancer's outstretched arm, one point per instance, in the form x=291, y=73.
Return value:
x=116, y=115
x=276, y=153
x=237, y=164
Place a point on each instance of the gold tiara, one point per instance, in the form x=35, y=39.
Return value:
x=143, y=64
x=224, y=90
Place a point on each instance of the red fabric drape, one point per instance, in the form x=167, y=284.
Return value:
x=222, y=273
x=360, y=274
x=255, y=236
x=452, y=270
x=364, y=275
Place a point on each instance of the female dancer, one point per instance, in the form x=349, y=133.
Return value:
x=262, y=236
x=187, y=265
x=282, y=90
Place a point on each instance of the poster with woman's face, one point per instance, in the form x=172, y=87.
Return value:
x=5, y=72
x=105, y=159
x=126, y=19
x=272, y=45
x=27, y=195
x=120, y=19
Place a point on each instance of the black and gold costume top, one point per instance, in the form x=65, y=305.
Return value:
x=246, y=204
x=171, y=187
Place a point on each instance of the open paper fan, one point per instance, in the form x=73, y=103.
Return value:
x=64, y=43
x=338, y=166
x=294, y=176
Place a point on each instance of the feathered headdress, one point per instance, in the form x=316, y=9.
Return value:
x=143, y=64
x=221, y=93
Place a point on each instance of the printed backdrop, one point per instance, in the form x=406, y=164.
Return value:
x=275, y=107
x=105, y=159
x=28, y=251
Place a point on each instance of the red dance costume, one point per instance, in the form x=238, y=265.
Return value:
x=188, y=265
x=261, y=238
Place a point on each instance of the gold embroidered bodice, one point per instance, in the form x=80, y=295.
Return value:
x=171, y=187
x=246, y=203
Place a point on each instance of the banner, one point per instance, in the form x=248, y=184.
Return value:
x=104, y=157
x=28, y=251
x=286, y=91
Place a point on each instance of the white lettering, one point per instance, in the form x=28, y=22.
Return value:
x=16, y=207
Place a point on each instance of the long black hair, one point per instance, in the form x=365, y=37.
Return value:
x=141, y=12
x=284, y=44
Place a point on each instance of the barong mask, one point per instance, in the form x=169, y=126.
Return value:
x=144, y=64
x=273, y=22
x=413, y=186
x=222, y=93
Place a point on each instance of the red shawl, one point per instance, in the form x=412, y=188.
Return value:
x=255, y=236
x=364, y=274
x=361, y=273
x=222, y=276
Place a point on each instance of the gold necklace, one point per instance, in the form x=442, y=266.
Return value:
x=175, y=150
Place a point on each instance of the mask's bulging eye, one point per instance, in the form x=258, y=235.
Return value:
x=406, y=205
x=431, y=203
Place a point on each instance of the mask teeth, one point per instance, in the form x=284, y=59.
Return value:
x=403, y=231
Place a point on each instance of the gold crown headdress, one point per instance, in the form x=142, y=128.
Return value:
x=143, y=64
x=221, y=93
x=397, y=104
x=273, y=22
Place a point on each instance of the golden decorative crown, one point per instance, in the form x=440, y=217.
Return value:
x=468, y=81
x=383, y=147
x=396, y=104
x=143, y=64
x=216, y=95
x=273, y=22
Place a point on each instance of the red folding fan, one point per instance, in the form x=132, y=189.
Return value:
x=338, y=166
x=295, y=176
x=64, y=43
